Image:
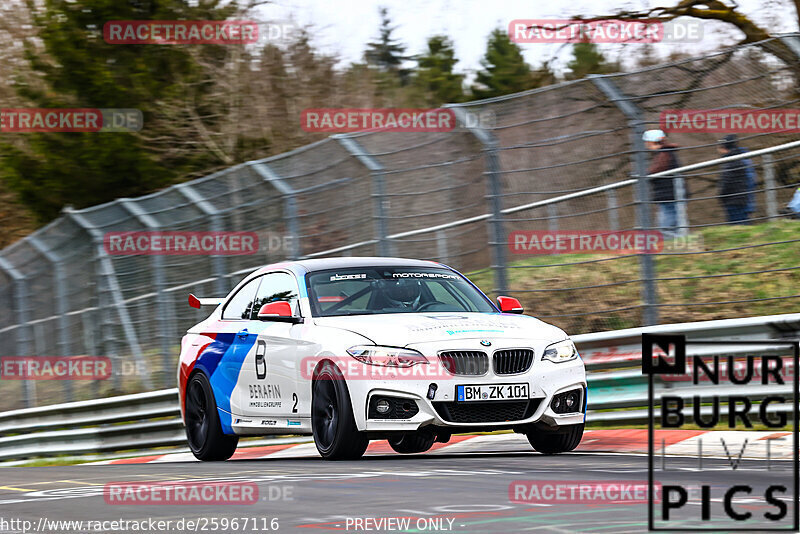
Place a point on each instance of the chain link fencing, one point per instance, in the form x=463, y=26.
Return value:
x=568, y=157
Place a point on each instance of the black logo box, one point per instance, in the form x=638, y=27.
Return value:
x=664, y=341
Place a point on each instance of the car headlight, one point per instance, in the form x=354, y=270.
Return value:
x=563, y=351
x=386, y=356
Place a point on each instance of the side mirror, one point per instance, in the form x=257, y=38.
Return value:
x=509, y=305
x=278, y=311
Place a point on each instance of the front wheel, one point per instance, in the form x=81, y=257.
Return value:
x=564, y=440
x=203, y=429
x=332, y=423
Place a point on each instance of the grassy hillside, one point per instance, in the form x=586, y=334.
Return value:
x=543, y=290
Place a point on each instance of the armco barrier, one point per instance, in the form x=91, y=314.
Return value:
x=148, y=420
x=140, y=421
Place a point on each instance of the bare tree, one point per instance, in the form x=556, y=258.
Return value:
x=727, y=12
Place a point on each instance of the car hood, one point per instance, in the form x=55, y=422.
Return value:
x=401, y=329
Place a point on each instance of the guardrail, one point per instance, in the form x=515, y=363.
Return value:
x=140, y=421
x=149, y=420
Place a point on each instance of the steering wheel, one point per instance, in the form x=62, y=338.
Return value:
x=431, y=303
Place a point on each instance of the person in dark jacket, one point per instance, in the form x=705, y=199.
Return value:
x=734, y=192
x=663, y=188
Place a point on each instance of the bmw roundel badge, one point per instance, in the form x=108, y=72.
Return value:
x=486, y=343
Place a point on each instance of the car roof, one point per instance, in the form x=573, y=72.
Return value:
x=323, y=264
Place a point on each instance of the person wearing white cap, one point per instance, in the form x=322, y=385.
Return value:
x=663, y=189
x=653, y=136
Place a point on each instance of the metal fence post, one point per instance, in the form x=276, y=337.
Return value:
x=769, y=186
x=612, y=203
x=166, y=329
x=88, y=336
x=215, y=224
x=639, y=163
x=290, y=204
x=646, y=263
x=107, y=274
x=60, y=280
x=441, y=247
x=107, y=342
x=682, y=207
x=23, y=331
x=497, y=236
x=377, y=172
x=792, y=42
x=552, y=217
x=613, y=216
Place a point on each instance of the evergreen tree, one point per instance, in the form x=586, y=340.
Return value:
x=504, y=69
x=80, y=70
x=386, y=54
x=435, y=76
x=587, y=59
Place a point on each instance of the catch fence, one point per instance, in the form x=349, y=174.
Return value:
x=568, y=157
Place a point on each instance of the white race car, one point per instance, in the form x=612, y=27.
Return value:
x=354, y=349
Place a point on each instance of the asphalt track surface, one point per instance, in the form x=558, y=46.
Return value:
x=461, y=492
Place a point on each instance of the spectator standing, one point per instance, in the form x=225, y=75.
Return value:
x=793, y=208
x=663, y=188
x=733, y=184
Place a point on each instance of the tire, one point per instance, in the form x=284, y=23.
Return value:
x=556, y=442
x=203, y=430
x=332, y=423
x=412, y=442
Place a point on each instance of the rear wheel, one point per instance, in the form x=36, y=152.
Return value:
x=564, y=440
x=412, y=442
x=332, y=423
x=203, y=429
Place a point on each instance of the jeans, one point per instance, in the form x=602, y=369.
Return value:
x=668, y=219
x=736, y=213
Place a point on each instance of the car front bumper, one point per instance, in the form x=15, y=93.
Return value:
x=546, y=379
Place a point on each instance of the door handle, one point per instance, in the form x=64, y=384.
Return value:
x=243, y=333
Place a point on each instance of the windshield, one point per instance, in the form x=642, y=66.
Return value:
x=375, y=290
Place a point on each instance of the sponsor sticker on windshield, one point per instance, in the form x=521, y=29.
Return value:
x=337, y=277
x=425, y=275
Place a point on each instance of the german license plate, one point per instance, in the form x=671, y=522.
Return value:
x=492, y=392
